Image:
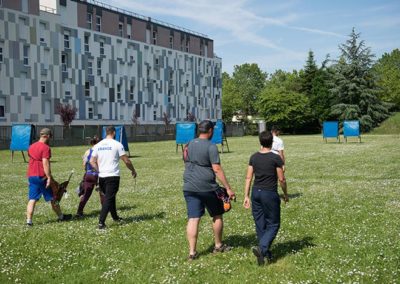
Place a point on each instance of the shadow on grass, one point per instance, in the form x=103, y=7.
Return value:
x=280, y=250
x=134, y=156
x=145, y=217
x=292, y=196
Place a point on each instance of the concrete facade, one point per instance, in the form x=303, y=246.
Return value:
x=108, y=63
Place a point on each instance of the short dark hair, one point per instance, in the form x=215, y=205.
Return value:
x=94, y=140
x=275, y=128
x=110, y=130
x=205, y=126
x=266, y=139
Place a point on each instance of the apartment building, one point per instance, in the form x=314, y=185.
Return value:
x=109, y=63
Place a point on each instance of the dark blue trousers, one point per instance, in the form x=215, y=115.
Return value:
x=266, y=209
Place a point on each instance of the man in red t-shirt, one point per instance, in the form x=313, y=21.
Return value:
x=39, y=176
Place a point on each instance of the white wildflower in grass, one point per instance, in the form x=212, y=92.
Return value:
x=340, y=225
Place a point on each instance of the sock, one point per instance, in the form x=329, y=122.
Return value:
x=29, y=221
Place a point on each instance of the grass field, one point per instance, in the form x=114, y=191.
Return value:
x=342, y=224
x=389, y=126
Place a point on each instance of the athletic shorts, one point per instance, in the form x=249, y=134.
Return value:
x=196, y=202
x=37, y=188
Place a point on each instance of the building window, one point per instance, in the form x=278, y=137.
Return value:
x=47, y=108
x=171, y=42
x=26, y=55
x=99, y=67
x=2, y=107
x=169, y=96
x=90, y=67
x=66, y=40
x=128, y=30
x=121, y=29
x=199, y=101
x=131, y=94
x=98, y=23
x=1, y=3
x=43, y=87
x=64, y=61
x=89, y=20
x=87, y=89
x=101, y=48
x=86, y=45
x=157, y=62
x=1, y=53
x=154, y=37
x=187, y=46
x=118, y=91
x=42, y=32
x=155, y=115
x=90, y=112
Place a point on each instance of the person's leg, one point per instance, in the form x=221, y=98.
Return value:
x=30, y=208
x=108, y=185
x=195, y=209
x=258, y=214
x=271, y=207
x=114, y=187
x=218, y=226
x=89, y=183
x=192, y=230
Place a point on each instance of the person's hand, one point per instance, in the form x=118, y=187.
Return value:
x=285, y=198
x=246, y=202
x=231, y=194
x=49, y=181
x=134, y=174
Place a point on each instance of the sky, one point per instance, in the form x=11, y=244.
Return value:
x=278, y=34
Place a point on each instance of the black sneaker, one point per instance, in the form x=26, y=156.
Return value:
x=79, y=216
x=66, y=217
x=29, y=224
x=193, y=256
x=222, y=248
x=102, y=226
x=257, y=252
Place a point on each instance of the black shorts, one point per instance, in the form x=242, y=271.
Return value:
x=196, y=202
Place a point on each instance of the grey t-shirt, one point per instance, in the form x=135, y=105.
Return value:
x=199, y=175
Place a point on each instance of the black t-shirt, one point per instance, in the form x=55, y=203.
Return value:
x=264, y=168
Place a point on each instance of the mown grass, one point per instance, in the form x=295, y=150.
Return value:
x=342, y=223
x=389, y=126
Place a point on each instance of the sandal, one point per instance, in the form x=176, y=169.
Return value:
x=193, y=256
x=222, y=248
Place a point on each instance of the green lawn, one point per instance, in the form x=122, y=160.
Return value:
x=342, y=223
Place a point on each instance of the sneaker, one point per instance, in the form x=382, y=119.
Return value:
x=66, y=217
x=257, y=252
x=29, y=224
x=102, y=226
x=79, y=216
x=193, y=256
x=222, y=248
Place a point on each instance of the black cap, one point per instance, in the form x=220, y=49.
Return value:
x=205, y=126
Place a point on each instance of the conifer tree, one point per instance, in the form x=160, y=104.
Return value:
x=353, y=87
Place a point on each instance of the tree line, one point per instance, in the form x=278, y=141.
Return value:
x=352, y=86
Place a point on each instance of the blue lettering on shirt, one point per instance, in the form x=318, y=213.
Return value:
x=104, y=148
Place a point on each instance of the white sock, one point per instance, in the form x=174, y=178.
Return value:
x=29, y=221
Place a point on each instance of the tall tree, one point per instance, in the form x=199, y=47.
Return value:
x=231, y=100
x=248, y=81
x=353, y=87
x=387, y=73
x=308, y=75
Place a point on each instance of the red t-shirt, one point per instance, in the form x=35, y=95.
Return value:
x=37, y=151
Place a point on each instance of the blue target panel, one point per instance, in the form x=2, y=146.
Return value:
x=330, y=129
x=22, y=136
x=120, y=136
x=218, y=134
x=351, y=128
x=185, y=132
